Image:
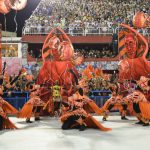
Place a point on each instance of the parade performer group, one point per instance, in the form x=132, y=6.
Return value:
x=60, y=92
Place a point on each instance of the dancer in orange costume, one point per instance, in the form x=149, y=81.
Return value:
x=76, y=111
x=139, y=98
x=34, y=104
x=118, y=101
x=6, y=108
x=75, y=117
x=81, y=94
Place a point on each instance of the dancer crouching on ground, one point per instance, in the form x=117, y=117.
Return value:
x=140, y=99
x=75, y=117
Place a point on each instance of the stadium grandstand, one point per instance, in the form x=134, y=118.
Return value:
x=92, y=25
x=83, y=17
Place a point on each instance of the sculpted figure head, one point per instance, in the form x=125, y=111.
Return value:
x=131, y=45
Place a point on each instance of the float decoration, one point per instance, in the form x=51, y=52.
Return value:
x=58, y=58
x=141, y=20
x=133, y=49
x=7, y=5
x=58, y=47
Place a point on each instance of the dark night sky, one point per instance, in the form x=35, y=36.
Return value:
x=22, y=15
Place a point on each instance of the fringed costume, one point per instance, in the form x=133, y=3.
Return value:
x=74, y=116
x=116, y=102
x=5, y=109
x=77, y=110
x=88, y=104
x=141, y=105
x=34, y=105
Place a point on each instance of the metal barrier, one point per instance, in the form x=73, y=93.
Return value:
x=100, y=97
x=16, y=99
x=70, y=31
x=76, y=31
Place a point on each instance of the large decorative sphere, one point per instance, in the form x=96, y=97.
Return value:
x=19, y=4
x=139, y=20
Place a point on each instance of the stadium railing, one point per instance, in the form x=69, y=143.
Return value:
x=70, y=31
x=77, y=31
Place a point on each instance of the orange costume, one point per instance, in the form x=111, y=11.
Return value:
x=141, y=105
x=74, y=116
x=77, y=109
x=33, y=106
x=88, y=104
x=116, y=102
x=6, y=108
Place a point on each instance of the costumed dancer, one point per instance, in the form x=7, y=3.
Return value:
x=140, y=99
x=53, y=106
x=5, y=108
x=81, y=91
x=82, y=95
x=34, y=105
x=74, y=112
x=75, y=117
x=10, y=84
x=116, y=102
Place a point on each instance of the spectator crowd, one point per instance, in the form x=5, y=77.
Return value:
x=90, y=16
x=93, y=53
x=105, y=52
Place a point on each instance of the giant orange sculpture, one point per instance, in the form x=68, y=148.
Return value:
x=134, y=48
x=58, y=59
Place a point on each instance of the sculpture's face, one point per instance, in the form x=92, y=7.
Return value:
x=131, y=46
